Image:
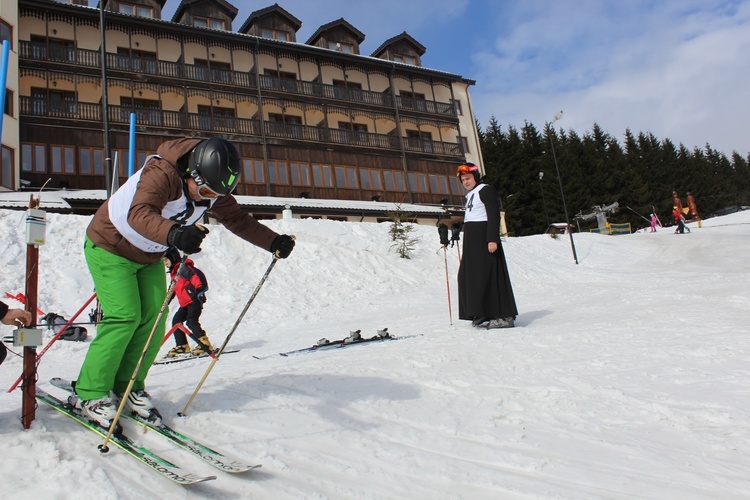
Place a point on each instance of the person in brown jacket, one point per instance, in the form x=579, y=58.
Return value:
x=157, y=208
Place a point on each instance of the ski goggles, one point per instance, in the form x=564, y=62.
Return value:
x=204, y=191
x=466, y=168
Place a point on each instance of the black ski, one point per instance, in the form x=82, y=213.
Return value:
x=208, y=455
x=353, y=339
x=160, y=465
x=187, y=357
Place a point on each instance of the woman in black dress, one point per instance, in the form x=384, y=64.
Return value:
x=485, y=295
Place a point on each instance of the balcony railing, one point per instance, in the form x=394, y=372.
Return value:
x=135, y=64
x=92, y=112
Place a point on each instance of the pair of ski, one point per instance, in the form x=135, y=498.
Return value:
x=187, y=357
x=354, y=338
x=160, y=465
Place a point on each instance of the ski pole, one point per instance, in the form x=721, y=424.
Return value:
x=231, y=332
x=447, y=284
x=53, y=339
x=170, y=291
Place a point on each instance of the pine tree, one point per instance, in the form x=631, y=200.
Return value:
x=400, y=232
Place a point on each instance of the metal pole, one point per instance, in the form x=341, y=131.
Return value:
x=105, y=105
x=559, y=180
x=544, y=204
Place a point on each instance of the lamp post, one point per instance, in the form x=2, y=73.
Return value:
x=557, y=116
x=544, y=204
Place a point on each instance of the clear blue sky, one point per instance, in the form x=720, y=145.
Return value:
x=679, y=69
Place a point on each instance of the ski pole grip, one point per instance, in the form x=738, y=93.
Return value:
x=276, y=254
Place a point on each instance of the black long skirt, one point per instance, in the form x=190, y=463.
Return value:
x=484, y=289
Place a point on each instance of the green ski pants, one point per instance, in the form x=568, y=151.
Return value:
x=131, y=296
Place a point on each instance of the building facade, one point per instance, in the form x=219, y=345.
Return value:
x=312, y=120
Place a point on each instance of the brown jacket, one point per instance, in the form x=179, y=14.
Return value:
x=162, y=182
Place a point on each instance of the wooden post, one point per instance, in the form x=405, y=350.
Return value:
x=28, y=404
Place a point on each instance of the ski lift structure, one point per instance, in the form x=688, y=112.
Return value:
x=599, y=212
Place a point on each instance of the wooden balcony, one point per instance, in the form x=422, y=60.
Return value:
x=76, y=58
x=91, y=113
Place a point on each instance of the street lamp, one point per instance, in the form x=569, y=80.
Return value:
x=557, y=116
x=544, y=204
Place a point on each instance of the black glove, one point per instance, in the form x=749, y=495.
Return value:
x=443, y=232
x=282, y=246
x=187, y=238
x=455, y=231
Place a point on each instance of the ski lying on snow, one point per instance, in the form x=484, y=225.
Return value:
x=188, y=357
x=353, y=339
x=208, y=455
x=160, y=465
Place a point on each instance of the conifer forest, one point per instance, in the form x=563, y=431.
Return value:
x=596, y=170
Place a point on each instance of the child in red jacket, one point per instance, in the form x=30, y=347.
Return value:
x=190, y=291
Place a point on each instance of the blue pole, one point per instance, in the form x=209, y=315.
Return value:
x=131, y=153
x=3, y=83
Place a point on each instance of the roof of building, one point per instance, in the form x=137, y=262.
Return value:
x=65, y=199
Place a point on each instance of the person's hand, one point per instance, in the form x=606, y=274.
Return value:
x=282, y=246
x=187, y=238
x=492, y=247
x=16, y=317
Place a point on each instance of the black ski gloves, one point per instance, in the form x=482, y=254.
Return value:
x=282, y=246
x=187, y=238
x=443, y=232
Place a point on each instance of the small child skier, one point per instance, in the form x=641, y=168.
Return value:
x=190, y=290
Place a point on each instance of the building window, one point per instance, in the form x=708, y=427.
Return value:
x=300, y=173
x=147, y=111
x=346, y=177
x=122, y=158
x=322, y=175
x=7, y=168
x=464, y=143
x=394, y=180
x=253, y=171
x=6, y=33
x=63, y=159
x=208, y=22
x=401, y=58
x=456, y=187
x=9, y=100
x=438, y=184
x=277, y=172
x=457, y=107
x=369, y=178
x=346, y=48
x=33, y=158
x=417, y=182
x=91, y=161
x=135, y=10
x=275, y=34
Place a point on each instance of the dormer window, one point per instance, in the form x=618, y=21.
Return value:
x=346, y=48
x=208, y=22
x=135, y=10
x=401, y=58
x=275, y=34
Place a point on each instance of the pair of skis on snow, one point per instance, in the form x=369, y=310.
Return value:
x=354, y=338
x=160, y=465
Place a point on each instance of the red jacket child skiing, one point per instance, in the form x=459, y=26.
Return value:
x=190, y=290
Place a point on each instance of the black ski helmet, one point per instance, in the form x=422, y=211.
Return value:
x=215, y=162
x=173, y=256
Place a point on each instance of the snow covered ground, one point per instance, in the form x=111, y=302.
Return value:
x=628, y=375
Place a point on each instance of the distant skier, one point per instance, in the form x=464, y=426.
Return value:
x=679, y=219
x=654, y=222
